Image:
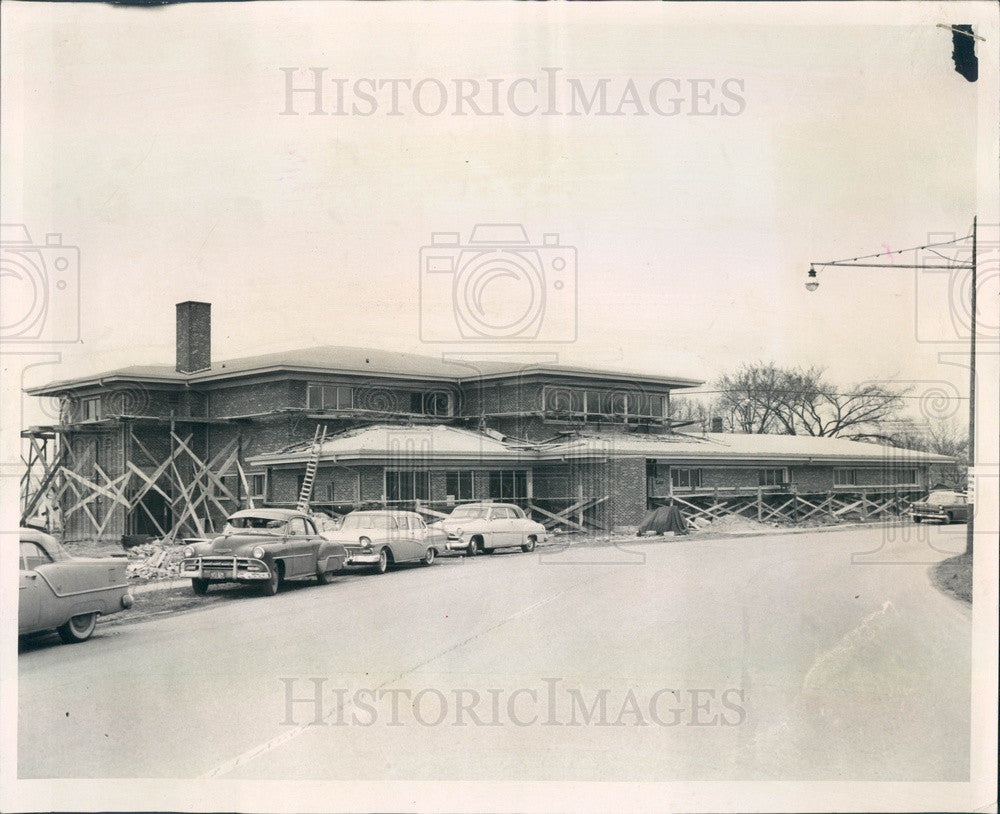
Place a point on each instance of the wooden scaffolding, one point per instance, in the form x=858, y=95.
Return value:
x=60, y=485
x=791, y=507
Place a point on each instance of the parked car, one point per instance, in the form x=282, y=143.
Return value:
x=485, y=527
x=944, y=505
x=381, y=538
x=65, y=593
x=263, y=547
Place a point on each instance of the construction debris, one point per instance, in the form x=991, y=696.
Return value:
x=154, y=561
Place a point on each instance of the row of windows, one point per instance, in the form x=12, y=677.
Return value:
x=689, y=478
x=604, y=405
x=853, y=477
x=378, y=399
x=410, y=484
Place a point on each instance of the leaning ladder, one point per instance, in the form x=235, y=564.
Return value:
x=305, y=493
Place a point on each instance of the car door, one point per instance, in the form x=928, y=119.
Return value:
x=300, y=554
x=519, y=526
x=33, y=592
x=420, y=534
x=414, y=537
x=962, y=509
x=500, y=527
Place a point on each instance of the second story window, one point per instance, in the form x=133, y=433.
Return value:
x=329, y=397
x=603, y=405
x=91, y=408
x=434, y=402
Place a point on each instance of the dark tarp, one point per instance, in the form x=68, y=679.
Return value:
x=664, y=518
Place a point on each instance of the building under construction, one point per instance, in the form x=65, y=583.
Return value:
x=171, y=450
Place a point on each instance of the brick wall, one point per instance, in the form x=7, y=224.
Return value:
x=247, y=399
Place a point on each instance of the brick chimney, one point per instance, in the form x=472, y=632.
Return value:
x=194, y=336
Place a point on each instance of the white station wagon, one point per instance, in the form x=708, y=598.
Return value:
x=485, y=527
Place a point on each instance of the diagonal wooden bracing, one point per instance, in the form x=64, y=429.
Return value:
x=192, y=486
x=794, y=508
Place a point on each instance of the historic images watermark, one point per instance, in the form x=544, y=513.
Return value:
x=319, y=701
x=39, y=288
x=944, y=287
x=319, y=91
x=498, y=286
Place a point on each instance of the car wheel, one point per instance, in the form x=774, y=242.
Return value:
x=78, y=629
x=917, y=519
x=472, y=549
x=200, y=586
x=384, y=559
x=270, y=587
x=429, y=557
x=324, y=577
x=529, y=546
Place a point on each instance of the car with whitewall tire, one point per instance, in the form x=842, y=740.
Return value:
x=482, y=528
x=263, y=547
x=64, y=593
x=378, y=539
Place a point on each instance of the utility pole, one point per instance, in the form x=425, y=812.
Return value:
x=970, y=525
x=812, y=283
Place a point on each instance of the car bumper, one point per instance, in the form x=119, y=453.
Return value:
x=927, y=515
x=456, y=544
x=362, y=558
x=225, y=569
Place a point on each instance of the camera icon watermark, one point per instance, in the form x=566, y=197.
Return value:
x=497, y=287
x=944, y=287
x=39, y=288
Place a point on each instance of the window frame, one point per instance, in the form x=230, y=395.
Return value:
x=518, y=477
x=845, y=476
x=88, y=402
x=460, y=475
x=693, y=477
x=418, y=477
x=609, y=405
x=763, y=474
x=43, y=560
x=253, y=484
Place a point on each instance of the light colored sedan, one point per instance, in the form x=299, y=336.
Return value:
x=65, y=593
x=381, y=538
x=484, y=527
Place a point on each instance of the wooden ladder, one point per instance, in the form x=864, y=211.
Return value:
x=305, y=494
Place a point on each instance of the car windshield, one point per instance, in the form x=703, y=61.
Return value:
x=943, y=497
x=368, y=521
x=468, y=513
x=251, y=524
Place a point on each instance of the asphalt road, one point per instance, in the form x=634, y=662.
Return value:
x=816, y=655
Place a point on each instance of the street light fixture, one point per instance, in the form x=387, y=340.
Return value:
x=812, y=283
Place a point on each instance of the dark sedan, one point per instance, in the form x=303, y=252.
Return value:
x=263, y=547
x=943, y=505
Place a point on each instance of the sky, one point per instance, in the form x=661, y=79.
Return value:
x=153, y=140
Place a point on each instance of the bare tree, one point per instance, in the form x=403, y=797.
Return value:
x=690, y=410
x=764, y=398
x=940, y=435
